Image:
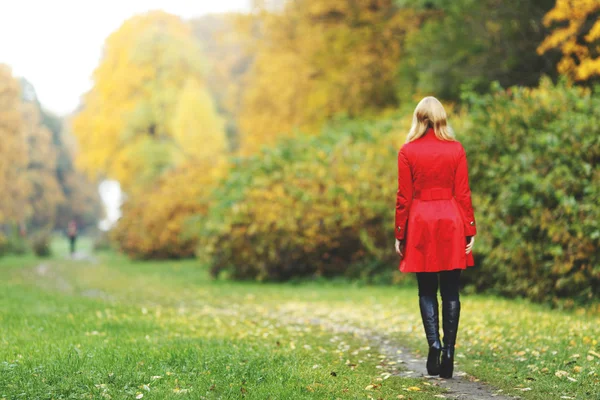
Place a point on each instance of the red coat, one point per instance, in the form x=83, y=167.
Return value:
x=433, y=205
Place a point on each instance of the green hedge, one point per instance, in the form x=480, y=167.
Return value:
x=534, y=157
x=312, y=206
x=324, y=205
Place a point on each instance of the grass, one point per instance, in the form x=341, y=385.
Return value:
x=121, y=330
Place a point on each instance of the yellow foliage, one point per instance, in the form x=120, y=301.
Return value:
x=14, y=187
x=154, y=222
x=319, y=58
x=196, y=116
x=126, y=129
x=312, y=205
x=577, y=39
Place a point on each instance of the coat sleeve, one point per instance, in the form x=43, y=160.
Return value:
x=404, y=194
x=462, y=193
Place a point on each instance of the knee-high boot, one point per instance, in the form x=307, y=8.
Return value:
x=450, y=318
x=430, y=317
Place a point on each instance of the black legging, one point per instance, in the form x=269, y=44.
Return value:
x=449, y=282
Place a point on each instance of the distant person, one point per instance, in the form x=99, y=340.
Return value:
x=435, y=225
x=72, y=233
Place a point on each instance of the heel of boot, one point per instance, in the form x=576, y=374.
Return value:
x=433, y=358
x=447, y=363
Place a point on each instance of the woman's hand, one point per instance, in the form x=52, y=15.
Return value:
x=399, y=248
x=470, y=244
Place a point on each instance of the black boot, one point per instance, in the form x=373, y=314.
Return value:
x=450, y=317
x=430, y=317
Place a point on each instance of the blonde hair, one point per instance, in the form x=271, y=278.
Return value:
x=430, y=113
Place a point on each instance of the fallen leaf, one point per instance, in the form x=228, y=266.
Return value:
x=592, y=352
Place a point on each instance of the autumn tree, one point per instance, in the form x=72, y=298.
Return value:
x=576, y=34
x=227, y=44
x=59, y=192
x=14, y=187
x=315, y=59
x=126, y=128
x=82, y=199
x=45, y=194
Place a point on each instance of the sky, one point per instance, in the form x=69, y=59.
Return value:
x=57, y=44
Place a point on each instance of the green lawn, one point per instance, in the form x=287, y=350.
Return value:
x=119, y=329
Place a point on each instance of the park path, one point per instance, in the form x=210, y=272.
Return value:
x=461, y=387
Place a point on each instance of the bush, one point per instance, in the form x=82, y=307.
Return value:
x=312, y=206
x=534, y=157
x=12, y=242
x=41, y=244
x=153, y=225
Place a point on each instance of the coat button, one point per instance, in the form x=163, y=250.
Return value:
x=399, y=229
x=472, y=222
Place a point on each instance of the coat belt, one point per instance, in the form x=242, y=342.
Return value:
x=434, y=194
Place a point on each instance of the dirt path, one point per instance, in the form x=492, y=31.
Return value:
x=462, y=386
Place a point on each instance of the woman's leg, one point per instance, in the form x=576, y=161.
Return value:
x=449, y=284
x=428, y=283
x=449, y=288
x=428, y=303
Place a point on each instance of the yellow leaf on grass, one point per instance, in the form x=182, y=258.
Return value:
x=414, y=389
x=592, y=352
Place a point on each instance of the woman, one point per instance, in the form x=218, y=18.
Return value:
x=435, y=226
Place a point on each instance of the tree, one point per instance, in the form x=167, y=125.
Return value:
x=125, y=129
x=82, y=198
x=226, y=42
x=14, y=187
x=60, y=192
x=472, y=43
x=46, y=194
x=576, y=34
x=315, y=59
x=196, y=115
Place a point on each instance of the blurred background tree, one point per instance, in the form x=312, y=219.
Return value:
x=126, y=128
x=41, y=190
x=576, y=34
x=227, y=45
x=471, y=43
x=315, y=59
x=14, y=156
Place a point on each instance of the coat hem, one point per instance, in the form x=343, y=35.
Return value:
x=407, y=271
